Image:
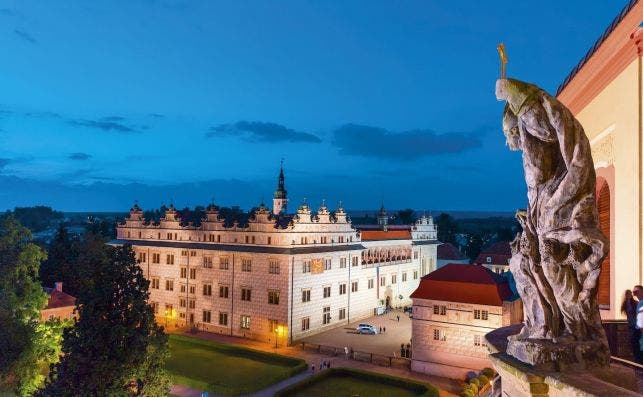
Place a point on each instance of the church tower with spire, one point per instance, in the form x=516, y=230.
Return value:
x=280, y=199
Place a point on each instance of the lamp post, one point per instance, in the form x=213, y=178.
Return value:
x=278, y=331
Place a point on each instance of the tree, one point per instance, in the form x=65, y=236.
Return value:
x=447, y=228
x=37, y=218
x=474, y=246
x=26, y=344
x=116, y=348
x=406, y=216
x=60, y=258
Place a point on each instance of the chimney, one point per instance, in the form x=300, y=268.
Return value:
x=58, y=286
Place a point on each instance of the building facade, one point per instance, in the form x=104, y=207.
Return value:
x=278, y=275
x=449, y=253
x=59, y=304
x=604, y=91
x=454, y=308
x=495, y=257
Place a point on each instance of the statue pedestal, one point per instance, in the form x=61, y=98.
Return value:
x=563, y=357
x=520, y=379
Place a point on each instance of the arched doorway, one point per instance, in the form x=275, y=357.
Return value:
x=603, y=205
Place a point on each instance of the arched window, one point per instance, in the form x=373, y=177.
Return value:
x=603, y=204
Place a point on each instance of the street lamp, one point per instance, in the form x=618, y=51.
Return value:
x=278, y=331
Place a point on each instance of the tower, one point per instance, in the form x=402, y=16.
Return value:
x=280, y=200
x=382, y=217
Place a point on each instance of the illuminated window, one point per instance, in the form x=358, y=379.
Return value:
x=245, y=322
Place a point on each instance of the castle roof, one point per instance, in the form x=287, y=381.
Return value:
x=59, y=299
x=460, y=283
x=390, y=234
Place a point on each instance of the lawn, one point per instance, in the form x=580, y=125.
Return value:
x=226, y=369
x=344, y=382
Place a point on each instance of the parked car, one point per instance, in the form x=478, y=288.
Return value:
x=366, y=329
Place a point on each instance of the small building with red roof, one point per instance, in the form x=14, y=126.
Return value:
x=60, y=304
x=495, y=257
x=449, y=253
x=453, y=308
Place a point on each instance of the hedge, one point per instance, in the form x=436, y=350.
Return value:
x=421, y=389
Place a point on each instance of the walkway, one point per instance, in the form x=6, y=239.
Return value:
x=447, y=387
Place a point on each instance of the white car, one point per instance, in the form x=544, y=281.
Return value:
x=366, y=329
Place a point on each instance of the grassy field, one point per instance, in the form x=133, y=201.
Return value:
x=344, y=382
x=226, y=369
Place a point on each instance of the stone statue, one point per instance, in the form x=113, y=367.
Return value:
x=557, y=257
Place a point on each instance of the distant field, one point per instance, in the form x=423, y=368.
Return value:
x=226, y=369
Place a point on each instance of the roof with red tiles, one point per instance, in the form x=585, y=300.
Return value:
x=460, y=283
x=499, y=252
x=386, y=235
x=59, y=299
x=448, y=251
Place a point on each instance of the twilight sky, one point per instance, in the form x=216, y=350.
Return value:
x=107, y=102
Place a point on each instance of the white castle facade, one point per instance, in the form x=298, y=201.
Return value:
x=278, y=275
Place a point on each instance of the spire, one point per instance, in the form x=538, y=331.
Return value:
x=280, y=199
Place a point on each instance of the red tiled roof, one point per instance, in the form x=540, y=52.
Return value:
x=500, y=253
x=448, y=251
x=59, y=299
x=456, y=282
x=386, y=235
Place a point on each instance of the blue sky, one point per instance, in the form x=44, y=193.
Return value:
x=107, y=102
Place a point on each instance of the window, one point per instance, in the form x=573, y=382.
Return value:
x=192, y=253
x=184, y=272
x=306, y=267
x=326, y=292
x=443, y=310
x=170, y=259
x=223, y=291
x=207, y=316
x=253, y=239
x=207, y=289
x=169, y=285
x=354, y=286
x=246, y=265
x=184, y=253
x=224, y=263
x=218, y=238
x=168, y=309
x=156, y=258
x=404, y=277
x=326, y=315
x=207, y=262
x=488, y=259
x=223, y=318
x=193, y=274
x=246, y=294
x=480, y=314
x=169, y=236
x=415, y=254
x=382, y=281
x=327, y=264
x=183, y=287
x=415, y=275
x=484, y=315
x=342, y=289
x=182, y=302
x=436, y=334
x=247, y=239
x=305, y=323
x=342, y=314
x=273, y=297
x=192, y=289
x=245, y=322
x=371, y=283
x=323, y=240
x=476, y=340
x=355, y=259
x=342, y=262
x=305, y=295
x=142, y=257
x=155, y=283
x=273, y=266
x=155, y=307
x=393, y=278
x=192, y=303
x=269, y=240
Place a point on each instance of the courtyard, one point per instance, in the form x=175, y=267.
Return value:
x=226, y=369
x=385, y=343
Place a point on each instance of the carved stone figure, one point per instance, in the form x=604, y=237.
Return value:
x=557, y=257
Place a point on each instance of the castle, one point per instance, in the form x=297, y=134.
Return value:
x=277, y=275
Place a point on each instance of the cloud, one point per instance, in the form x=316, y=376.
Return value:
x=112, y=118
x=4, y=162
x=79, y=156
x=106, y=124
x=157, y=115
x=366, y=141
x=25, y=36
x=258, y=131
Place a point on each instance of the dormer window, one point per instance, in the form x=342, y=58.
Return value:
x=488, y=259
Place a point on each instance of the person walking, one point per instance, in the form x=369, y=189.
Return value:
x=346, y=352
x=398, y=318
x=312, y=368
x=628, y=307
x=637, y=291
x=384, y=329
